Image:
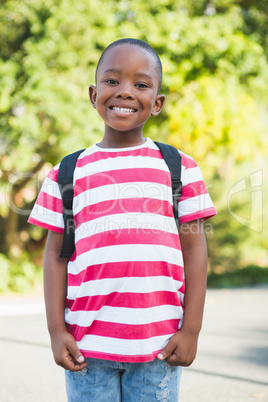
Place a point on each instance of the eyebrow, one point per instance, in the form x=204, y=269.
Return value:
x=139, y=74
x=144, y=75
x=111, y=70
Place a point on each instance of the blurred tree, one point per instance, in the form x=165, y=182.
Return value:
x=47, y=58
x=214, y=56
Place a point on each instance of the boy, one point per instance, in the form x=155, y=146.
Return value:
x=119, y=319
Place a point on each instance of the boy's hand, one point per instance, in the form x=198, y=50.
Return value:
x=181, y=349
x=66, y=353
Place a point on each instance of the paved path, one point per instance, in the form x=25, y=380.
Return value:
x=232, y=362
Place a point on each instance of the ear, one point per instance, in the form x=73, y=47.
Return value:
x=158, y=105
x=92, y=90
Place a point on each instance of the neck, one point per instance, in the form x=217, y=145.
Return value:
x=122, y=140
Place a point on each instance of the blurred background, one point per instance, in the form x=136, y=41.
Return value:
x=215, y=62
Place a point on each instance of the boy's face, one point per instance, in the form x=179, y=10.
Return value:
x=126, y=94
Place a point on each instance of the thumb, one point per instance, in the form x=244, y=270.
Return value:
x=75, y=352
x=167, y=351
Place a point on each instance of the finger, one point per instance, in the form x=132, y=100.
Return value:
x=69, y=363
x=167, y=351
x=73, y=366
x=75, y=352
x=175, y=360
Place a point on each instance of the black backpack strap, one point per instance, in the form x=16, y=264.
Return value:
x=65, y=181
x=173, y=160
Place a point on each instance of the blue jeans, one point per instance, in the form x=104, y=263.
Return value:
x=104, y=380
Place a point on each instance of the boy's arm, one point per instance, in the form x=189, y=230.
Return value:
x=182, y=346
x=65, y=350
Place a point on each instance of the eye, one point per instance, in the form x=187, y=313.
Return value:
x=111, y=82
x=141, y=85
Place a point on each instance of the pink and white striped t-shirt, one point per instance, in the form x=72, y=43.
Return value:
x=125, y=278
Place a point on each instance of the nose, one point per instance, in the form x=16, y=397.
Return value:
x=124, y=91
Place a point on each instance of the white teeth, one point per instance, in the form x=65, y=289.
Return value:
x=123, y=109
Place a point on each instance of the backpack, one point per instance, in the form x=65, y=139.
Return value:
x=65, y=181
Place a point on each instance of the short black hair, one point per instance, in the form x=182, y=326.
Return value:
x=134, y=42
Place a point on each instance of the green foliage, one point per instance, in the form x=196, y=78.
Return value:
x=214, y=57
x=18, y=276
x=248, y=276
x=225, y=128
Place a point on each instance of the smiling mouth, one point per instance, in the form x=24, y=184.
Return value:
x=122, y=109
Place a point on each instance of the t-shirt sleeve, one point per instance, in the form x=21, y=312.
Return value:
x=195, y=202
x=48, y=211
